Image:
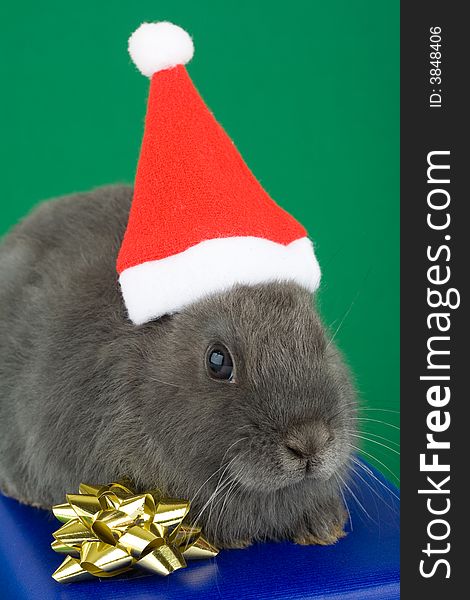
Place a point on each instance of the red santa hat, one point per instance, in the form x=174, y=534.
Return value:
x=200, y=222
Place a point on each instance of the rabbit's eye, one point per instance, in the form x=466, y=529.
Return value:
x=219, y=362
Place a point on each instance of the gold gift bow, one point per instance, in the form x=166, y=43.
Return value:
x=109, y=530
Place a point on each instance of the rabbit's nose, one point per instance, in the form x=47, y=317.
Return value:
x=307, y=440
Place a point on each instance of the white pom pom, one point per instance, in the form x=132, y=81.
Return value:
x=157, y=46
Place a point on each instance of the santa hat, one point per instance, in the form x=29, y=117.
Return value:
x=200, y=222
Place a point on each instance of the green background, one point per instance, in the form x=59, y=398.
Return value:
x=308, y=90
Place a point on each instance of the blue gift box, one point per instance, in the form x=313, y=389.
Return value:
x=362, y=566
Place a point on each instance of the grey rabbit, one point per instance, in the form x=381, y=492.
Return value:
x=240, y=402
